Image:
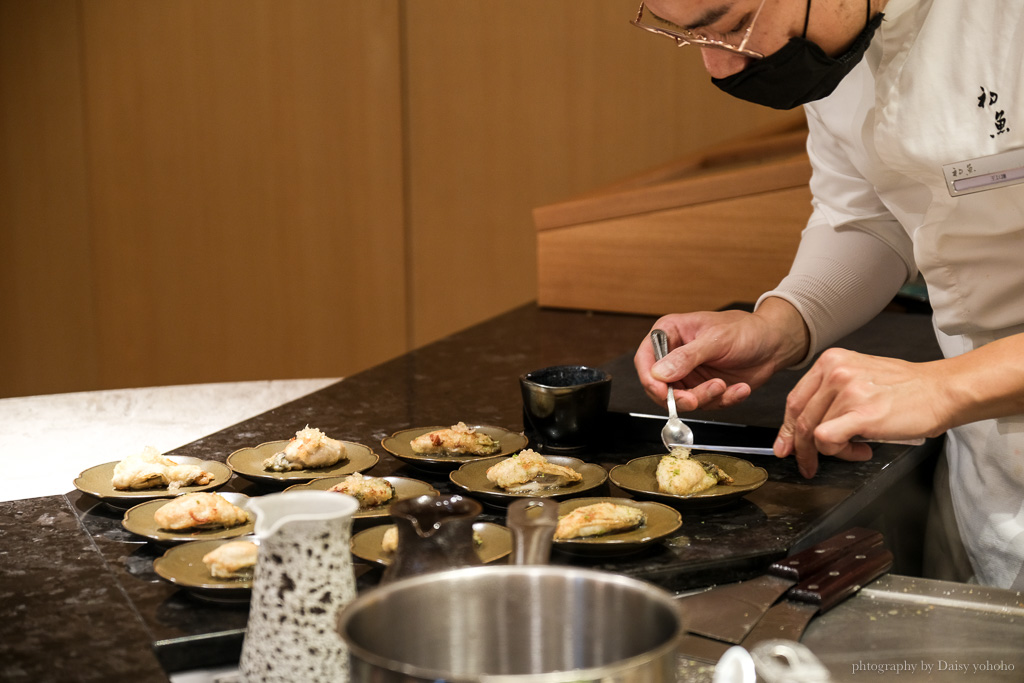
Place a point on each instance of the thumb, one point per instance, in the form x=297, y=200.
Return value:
x=783, y=445
x=674, y=366
x=683, y=359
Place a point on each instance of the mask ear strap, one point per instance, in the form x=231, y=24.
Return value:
x=807, y=17
x=867, y=16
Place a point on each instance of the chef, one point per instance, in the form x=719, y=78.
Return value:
x=916, y=116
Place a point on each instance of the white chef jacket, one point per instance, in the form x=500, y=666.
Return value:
x=941, y=82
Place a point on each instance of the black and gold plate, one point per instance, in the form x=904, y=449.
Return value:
x=638, y=477
x=399, y=445
x=404, y=488
x=140, y=520
x=472, y=477
x=495, y=543
x=183, y=566
x=660, y=521
x=248, y=463
x=96, y=481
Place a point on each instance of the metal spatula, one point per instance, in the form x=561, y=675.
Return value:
x=675, y=432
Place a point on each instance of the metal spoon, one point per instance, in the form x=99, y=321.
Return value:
x=675, y=432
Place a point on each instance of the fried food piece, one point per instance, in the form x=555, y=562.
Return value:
x=529, y=471
x=599, y=519
x=369, y=491
x=199, y=511
x=232, y=559
x=681, y=475
x=308, y=449
x=459, y=439
x=149, y=469
x=389, y=541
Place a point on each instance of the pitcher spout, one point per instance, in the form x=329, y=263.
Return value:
x=276, y=510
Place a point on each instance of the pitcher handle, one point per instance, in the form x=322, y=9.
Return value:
x=533, y=522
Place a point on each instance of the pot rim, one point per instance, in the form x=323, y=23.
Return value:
x=648, y=590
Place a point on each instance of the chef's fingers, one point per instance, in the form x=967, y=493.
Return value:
x=656, y=387
x=734, y=395
x=642, y=361
x=675, y=366
x=719, y=394
x=854, y=452
x=802, y=415
x=834, y=433
x=704, y=395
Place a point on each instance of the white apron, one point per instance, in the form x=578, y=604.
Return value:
x=947, y=81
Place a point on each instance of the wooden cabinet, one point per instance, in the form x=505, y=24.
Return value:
x=714, y=227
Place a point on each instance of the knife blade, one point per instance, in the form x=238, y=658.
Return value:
x=788, y=619
x=818, y=594
x=730, y=611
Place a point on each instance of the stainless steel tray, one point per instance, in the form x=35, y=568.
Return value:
x=907, y=629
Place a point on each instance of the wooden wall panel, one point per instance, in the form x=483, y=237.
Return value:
x=245, y=176
x=207, y=190
x=47, y=332
x=693, y=258
x=514, y=105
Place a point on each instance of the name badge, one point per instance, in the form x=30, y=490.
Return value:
x=985, y=173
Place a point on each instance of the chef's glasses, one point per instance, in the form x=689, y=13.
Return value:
x=684, y=37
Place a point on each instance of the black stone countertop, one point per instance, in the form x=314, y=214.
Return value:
x=79, y=600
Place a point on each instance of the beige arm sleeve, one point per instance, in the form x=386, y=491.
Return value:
x=840, y=279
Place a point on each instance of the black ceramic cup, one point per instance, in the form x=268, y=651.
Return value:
x=564, y=406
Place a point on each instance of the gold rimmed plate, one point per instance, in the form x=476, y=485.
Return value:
x=638, y=477
x=404, y=488
x=660, y=521
x=399, y=445
x=248, y=463
x=139, y=520
x=183, y=566
x=96, y=481
x=472, y=477
x=495, y=543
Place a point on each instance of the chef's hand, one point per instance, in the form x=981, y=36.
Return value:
x=716, y=358
x=847, y=394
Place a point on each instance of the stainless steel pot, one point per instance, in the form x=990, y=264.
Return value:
x=499, y=624
x=503, y=624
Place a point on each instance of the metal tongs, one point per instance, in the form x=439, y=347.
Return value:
x=676, y=433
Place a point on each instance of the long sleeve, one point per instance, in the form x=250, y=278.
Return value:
x=854, y=254
x=840, y=279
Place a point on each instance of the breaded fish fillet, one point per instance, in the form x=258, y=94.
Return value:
x=200, y=511
x=460, y=439
x=150, y=469
x=599, y=519
x=529, y=471
x=681, y=475
x=369, y=491
x=308, y=449
x=231, y=559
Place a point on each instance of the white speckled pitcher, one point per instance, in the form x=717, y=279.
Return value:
x=302, y=579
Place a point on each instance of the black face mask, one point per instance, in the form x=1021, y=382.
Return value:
x=799, y=73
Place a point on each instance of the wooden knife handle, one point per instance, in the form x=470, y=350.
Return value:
x=809, y=562
x=842, y=579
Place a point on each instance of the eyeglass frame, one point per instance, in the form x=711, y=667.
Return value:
x=684, y=37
